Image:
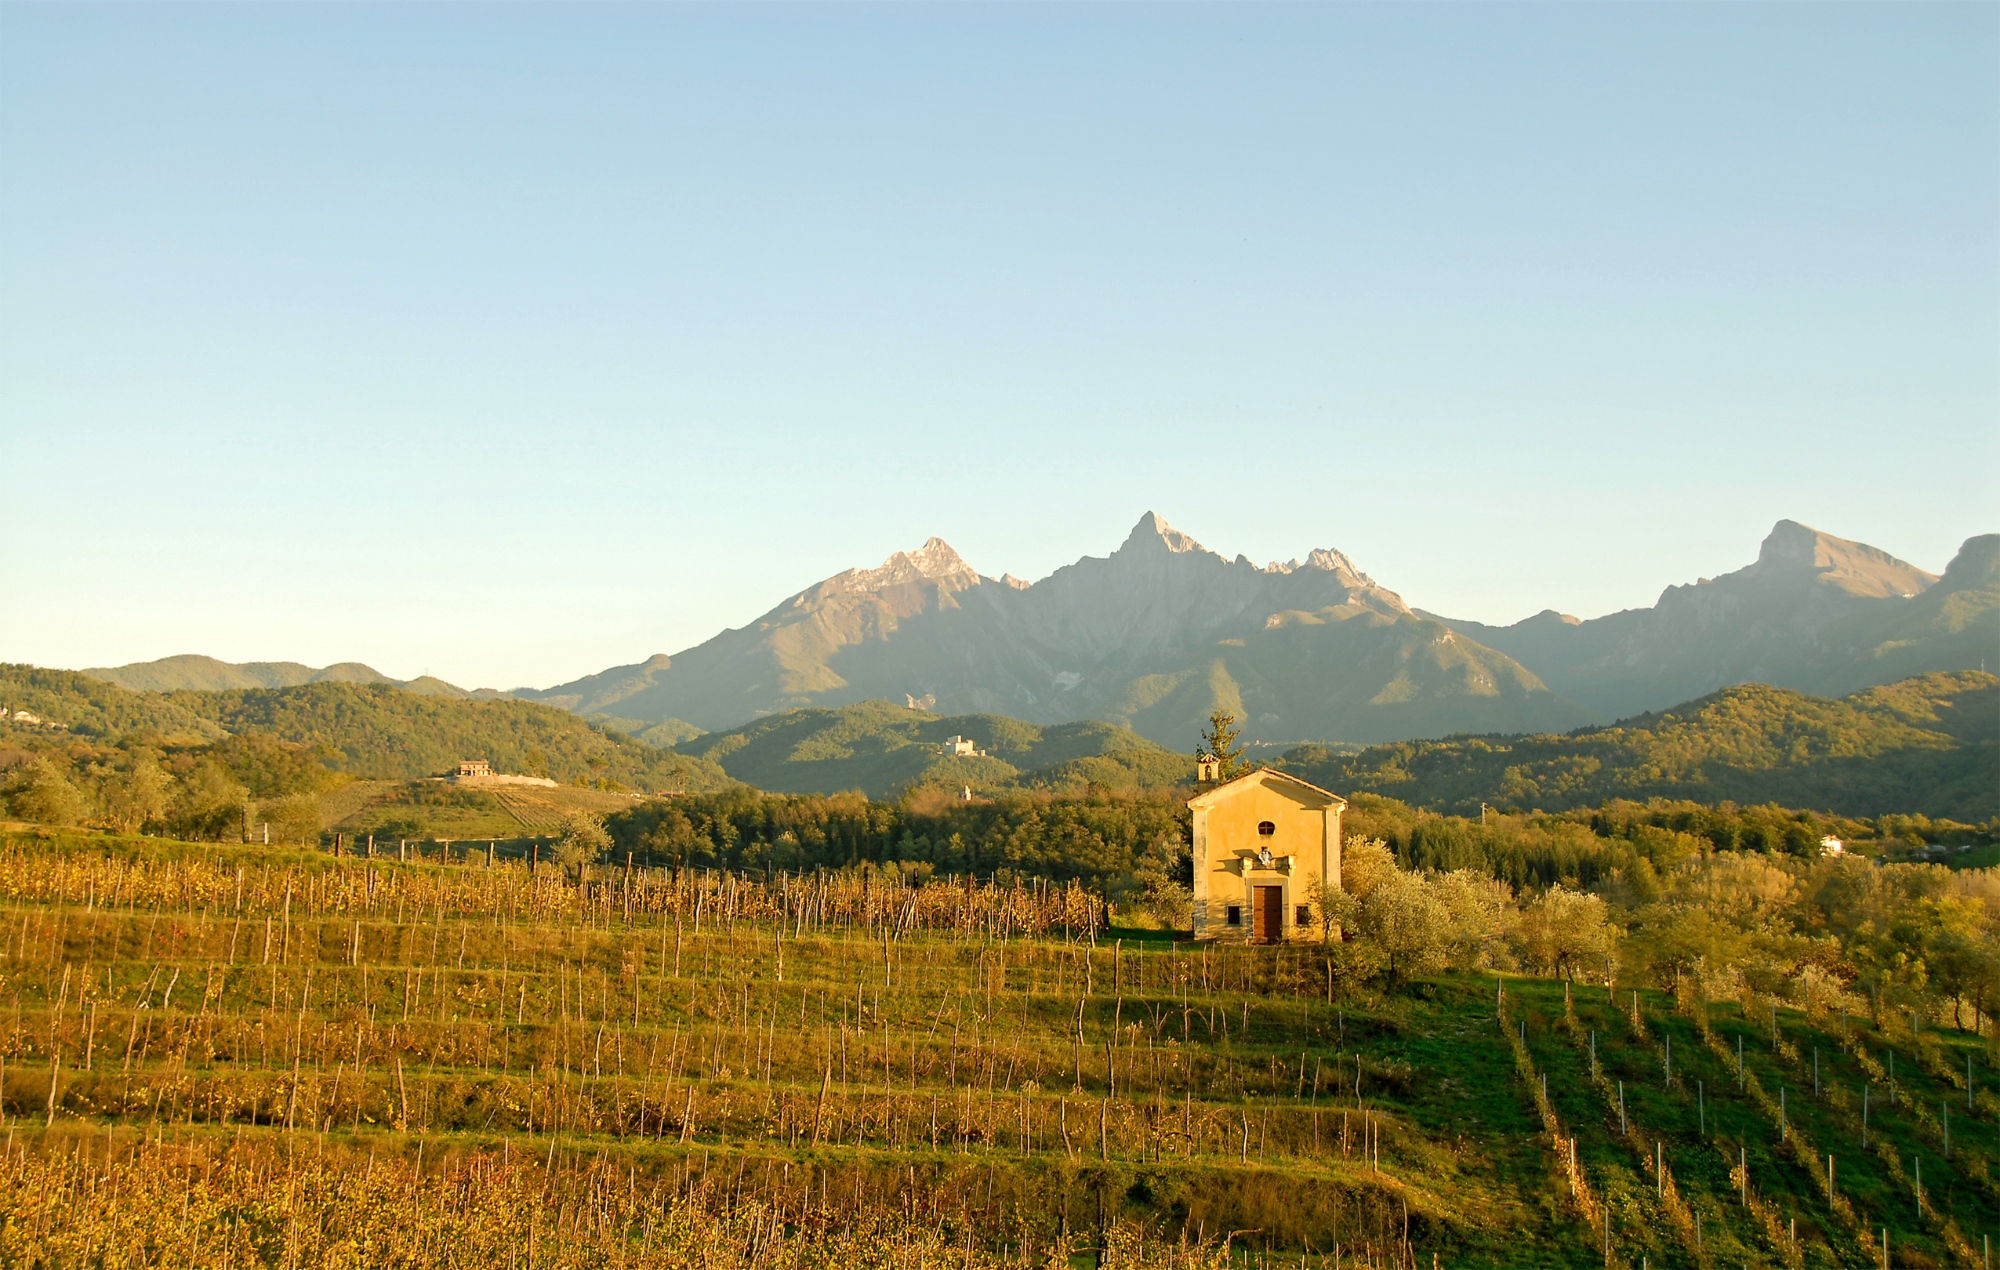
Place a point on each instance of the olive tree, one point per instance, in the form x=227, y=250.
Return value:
x=1563, y=929
x=1365, y=862
x=583, y=843
x=1476, y=913
x=1403, y=916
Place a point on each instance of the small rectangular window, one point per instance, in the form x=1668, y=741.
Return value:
x=1304, y=915
x=1235, y=917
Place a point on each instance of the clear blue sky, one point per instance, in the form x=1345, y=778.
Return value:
x=510, y=343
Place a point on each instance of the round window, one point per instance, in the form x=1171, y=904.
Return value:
x=1265, y=828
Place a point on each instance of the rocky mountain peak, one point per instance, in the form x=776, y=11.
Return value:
x=1793, y=549
x=935, y=559
x=1152, y=535
x=1339, y=562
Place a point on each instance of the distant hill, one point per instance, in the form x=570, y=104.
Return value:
x=1927, y=745
x=880, y=748
x=1152, y=638
x=1814, y=612
x=78, y=703
x=373, y=731
x=193, y=672
x=382, y=732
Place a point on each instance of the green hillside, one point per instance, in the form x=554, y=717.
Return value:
x=84, y=706
x=388, y=733
x=1928, y=745
x=878, y=748
x=202, y=764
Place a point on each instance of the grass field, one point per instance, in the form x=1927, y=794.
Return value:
x=243, y=1056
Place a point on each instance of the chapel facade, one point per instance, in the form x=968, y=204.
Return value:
x=1263, y=845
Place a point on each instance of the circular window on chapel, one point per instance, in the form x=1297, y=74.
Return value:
x=1265, y=828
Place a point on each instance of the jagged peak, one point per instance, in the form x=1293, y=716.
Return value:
x=1790, y=542
x=1792, y=547
x=1333, y=562
x=1154, y=534
x=934, y=559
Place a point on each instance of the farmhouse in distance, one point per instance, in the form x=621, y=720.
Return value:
x=479, y=771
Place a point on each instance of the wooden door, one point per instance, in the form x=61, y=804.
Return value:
x=1268, y=914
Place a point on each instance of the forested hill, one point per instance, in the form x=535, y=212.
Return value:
x=880, y=748
x=82, y=705
x=376, y=731
x=1928, y=745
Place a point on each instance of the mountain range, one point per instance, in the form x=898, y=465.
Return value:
x=1163, y=630
x=1814, y=612
x=1150, y=638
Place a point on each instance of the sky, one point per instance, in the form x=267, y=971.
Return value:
x=509, y=343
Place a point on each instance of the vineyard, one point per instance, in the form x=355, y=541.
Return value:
x=244, y=1056
x=393, y=810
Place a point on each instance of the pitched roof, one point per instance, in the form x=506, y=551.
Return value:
x=1267, y=776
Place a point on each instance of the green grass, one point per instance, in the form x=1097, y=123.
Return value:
x=1985, y=857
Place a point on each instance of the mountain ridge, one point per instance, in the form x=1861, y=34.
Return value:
x=1162, y=630
x=1151, y=637
x=1813, y=612
x=195, y=672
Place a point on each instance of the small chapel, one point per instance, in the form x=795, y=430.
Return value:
x=1263, y=843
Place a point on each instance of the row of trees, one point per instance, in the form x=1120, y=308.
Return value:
x=1098, y=837
x=197, y=792
x=1838, y=936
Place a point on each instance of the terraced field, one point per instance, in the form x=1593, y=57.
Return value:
x=439, y=810
x=243, y=1056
